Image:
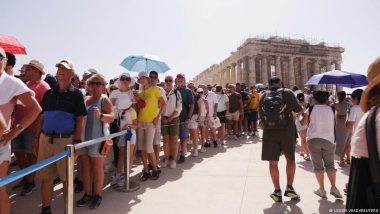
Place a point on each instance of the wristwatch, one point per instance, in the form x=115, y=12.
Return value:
x=77, y=141
x=19, y=127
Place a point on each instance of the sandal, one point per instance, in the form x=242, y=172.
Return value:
x=341, y=163
x=155, y=175
x=145, y=176
x=348, y=161
x=306, y=158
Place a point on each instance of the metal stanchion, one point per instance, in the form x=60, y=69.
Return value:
x=70, y=179
x=130, y=186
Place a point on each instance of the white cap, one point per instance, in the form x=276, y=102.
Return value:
x=66, y=63
x=143, y=74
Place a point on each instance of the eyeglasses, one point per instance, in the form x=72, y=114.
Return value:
x=153, y=77
x=1, y=57
x=168, y=81
x=125, y=79
x=96, y=83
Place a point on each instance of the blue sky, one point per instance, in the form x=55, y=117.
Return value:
x=189, y=35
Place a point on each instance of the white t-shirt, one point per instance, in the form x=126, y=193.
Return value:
x=359, y=140
x=123, y=99
x=321, y=123
x=222, y=101
x=356, y=114
x=212, y=100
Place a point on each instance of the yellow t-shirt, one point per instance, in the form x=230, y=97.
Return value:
x=255, y=97
x=150, y=96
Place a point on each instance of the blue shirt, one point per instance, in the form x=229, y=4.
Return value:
x=187, y=100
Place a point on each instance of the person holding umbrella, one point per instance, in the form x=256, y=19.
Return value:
x=148, y=101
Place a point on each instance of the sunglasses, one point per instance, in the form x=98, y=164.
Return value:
x=168, y=80
x=153, y=77
x=125, y=79
x=96, y=83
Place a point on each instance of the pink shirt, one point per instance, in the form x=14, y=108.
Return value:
x=39, y=87
x=359, y=139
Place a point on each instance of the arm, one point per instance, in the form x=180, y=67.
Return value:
x=3, y=125
x=31, y=103
x=305, y=119
x=78, y=127
x=207, y=107
x=133, y=126
x=107, y=112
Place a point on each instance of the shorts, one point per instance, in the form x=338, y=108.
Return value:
x=322, y=154
x=170, y=129
x=222, y=116
x=183, y=132
x=253, y=115
x=246, y=114
x=145, y=136
x=92, y=151
x=299, y=126
x=24, y=142
x=278, y=142
x=213, y=123
x=5, y=152
x=47, y=150
x=157, y=135
x=234, y=115
x=121, y=142
x=193, y=124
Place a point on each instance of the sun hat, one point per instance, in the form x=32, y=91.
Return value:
x=369, y=98
x=66, y=63
x=199, y=90
x=143, y=74
x=131, y=83
x=37, y=65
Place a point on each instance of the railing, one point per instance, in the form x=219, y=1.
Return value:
x=70, y=159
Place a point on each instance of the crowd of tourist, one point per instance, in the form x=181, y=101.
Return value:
x=40, y=117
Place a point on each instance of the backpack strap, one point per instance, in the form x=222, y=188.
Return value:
x=370, y=128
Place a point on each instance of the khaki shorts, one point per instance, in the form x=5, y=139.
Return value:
x=145, y=136
x=47, y=150
x=234, y=116
x=170, y=129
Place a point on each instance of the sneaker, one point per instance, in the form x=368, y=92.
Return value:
x=321, y=193
x=276, y=196
x=20, y=184
x=335, y=192
x=181, y=159
x=27, y=189
x=195, y=153
x=84, y=200
x=173, y=164
x=115, y=179
x=78, y=187
x=291, y=193
x=203, y=150
x=120, y=182
x=95, y=203
x=164, y=163
x=145, y=176
x=155, y=175
x=215, y=144
x=207, y=145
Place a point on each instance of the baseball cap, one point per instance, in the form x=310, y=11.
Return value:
x=143, y=74
x=66, y=63
x=181, y=75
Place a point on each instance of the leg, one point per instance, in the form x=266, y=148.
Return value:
x=290, y=171
x=174, y=147
x=86, y=174
x=236, y=127
x=47, y=191
x=332, y=177
x=320, y=178
x=167, y=150
x=131, y=155
x=5, y=206
x=120, y=161
x=274, y=174
x=31, y=160
x=98, y=174
x=194, y=137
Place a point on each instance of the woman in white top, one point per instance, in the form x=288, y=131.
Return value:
x=16, y=91
x=223, y=104
x=320, y=139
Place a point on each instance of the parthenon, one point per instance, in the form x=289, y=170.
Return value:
x=258, y=59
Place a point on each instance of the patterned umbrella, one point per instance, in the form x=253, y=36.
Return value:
x=11, y=45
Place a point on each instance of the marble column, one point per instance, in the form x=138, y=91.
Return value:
x=239, y=76
x=304, y=76
x=291, y=76
x=278, y=67
x=328, y=65
x=233, y=73
x=264, y=70
x=252, y=70
x=228, y=74
x=316, y=67
x=338, y=65
x=245, y=71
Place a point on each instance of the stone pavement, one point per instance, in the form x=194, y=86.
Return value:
x=230, y=179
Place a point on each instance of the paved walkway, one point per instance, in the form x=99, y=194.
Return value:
x=230, y=179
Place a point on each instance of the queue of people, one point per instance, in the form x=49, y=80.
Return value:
x=171, y=115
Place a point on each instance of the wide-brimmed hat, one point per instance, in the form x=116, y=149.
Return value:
x=37, y=65
x=66, y=63
x=369, y=98
x=131, y=83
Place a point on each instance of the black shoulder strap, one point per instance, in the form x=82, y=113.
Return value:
x=310, y=110
x=374, y=162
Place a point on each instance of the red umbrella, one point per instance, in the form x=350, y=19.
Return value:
x=11, y=45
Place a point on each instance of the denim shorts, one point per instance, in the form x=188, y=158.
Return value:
x=183, y=132
x=24, y=142
x=92, y=151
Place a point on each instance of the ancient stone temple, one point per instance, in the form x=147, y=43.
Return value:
x=256, y=60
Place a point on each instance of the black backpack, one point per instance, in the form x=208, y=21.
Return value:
x=274, y=111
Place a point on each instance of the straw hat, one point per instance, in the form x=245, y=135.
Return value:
x=37, y=65
x=369, y=98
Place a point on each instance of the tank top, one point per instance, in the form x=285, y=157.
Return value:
x=94, y=126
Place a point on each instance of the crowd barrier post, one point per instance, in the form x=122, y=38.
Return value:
x=130, y=186
x=70, y=179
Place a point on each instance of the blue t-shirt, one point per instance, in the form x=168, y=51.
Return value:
x=187, y=100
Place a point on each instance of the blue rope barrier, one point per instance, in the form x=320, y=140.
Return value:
x=19, y=174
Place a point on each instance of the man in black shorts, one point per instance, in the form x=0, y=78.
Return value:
x=279, y=134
